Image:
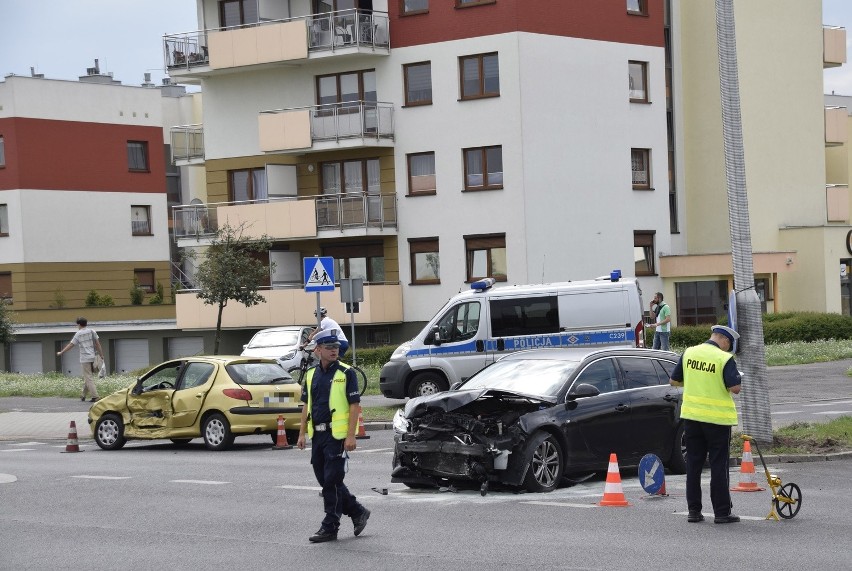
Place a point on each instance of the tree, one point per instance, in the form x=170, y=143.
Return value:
x=7, y=323
x=229, y=270
x=756, y=420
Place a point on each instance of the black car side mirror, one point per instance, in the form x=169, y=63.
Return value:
x=583, y=390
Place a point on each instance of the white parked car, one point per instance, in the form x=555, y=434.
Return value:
x=281, y=343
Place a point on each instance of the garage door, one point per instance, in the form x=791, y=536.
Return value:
x=131, y=354
x=185, y=347
x=26, y=358
x=71, y=361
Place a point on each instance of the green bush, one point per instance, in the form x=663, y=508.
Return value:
x=94, y=299
x=136, y=293
x=777, y=328
x=375, y=356
x=157, y=298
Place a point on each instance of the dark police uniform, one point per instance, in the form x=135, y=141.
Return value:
x=327, y=453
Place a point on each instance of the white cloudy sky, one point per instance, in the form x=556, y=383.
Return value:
x=61, y=38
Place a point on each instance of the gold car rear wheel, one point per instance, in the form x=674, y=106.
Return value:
x=217, y=432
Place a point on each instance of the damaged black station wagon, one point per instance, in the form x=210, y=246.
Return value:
x=536, y=418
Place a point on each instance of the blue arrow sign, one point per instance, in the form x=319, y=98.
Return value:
x=319, y=274
x=652, y=475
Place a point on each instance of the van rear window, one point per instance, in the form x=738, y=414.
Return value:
x=524, y=316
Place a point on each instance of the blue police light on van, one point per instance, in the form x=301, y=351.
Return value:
x=482, y=285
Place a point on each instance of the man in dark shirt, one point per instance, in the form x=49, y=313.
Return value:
x=330, y=419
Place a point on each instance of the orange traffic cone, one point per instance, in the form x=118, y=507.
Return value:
x=747, y=483
x=281, y=441
x=362, y=432
x=613, y=494
x=72, y=445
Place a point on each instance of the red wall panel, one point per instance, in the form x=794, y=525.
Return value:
x=71, y=155
x=605, y=20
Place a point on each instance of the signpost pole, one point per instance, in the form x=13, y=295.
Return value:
x=317, y=312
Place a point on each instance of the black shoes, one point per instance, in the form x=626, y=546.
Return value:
x=694, y=517
x=730, y=518
x=93, y=399
x=82, y=399
x=360, y=522
x=322, y=535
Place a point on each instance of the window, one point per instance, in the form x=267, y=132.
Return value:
x=347, y=87
x=137, y=156
x=524, y=316
x=378, y=336
x=637, y=7
x=421, y=173
x=483, y=168
x=140, y=220
x=2, y=153
x=418, y=83
x=638, y=78
x=6, y=286
x=486, y=257
x=639, y=372
x=479, y=76
x=351, y=177
x=460, y=323
x=4, y=220
x=414, y=7
x=701, y=302
x=601, y=375
x=640, y=161
x=365, y=261
x=467, y=3
x=247, y=184
x=644, y=252
x=238, y=12
x=425, y=261
x=144, y=279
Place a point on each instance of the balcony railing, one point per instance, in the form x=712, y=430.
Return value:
x=331, y=211
x=187, y=142
x=330, y=31
x=284, y=129
x=186, y=50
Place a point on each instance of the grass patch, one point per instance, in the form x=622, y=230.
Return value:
x=57, y=385
x=374, y=413
x=804, y=438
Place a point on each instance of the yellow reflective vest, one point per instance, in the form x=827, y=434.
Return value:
x=337, y=402
x=705, y=397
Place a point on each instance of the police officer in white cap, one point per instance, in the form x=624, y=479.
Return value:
x=330, y=418
x=709, y=376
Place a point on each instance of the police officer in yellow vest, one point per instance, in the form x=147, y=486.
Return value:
x=709, y=375
x=330, y=419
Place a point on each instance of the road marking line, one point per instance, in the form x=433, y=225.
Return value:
x=103, y=477
x=375, y=450
x=833, y=412
x=832, y=403
x=711, y=516
x=19, y=450
x=206, y=482
x=25, y=443
x=561, y=504
x=312, y=488
x=789, y=412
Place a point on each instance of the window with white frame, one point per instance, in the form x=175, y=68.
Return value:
x=640, y=163
x=638, y=81
x=140, y=220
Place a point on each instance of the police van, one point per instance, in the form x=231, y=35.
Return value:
x=479, y=326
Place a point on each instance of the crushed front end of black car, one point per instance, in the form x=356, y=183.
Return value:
x=477, y=435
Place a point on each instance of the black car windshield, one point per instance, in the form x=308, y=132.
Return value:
x=540, y=377
x=258, y=373
x=274, y=339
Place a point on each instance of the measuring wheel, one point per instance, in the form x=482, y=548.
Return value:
x=788, y=500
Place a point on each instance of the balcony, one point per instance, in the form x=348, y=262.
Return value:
x=192, y=55
x=833, y=46
x=837, y=203
x=290, y=218
x=187, y=145
x=291, y=306
x=836, y=129
x=351, y=124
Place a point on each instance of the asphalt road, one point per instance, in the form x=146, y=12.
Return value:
x=253, y=507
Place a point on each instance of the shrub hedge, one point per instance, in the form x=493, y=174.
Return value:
x=777, y=328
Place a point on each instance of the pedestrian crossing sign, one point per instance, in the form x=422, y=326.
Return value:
x=319, y=274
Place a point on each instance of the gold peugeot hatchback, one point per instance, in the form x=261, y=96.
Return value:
x=216, y=398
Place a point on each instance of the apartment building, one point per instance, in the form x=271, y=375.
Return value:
x=85, y=184
x=426, y=144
